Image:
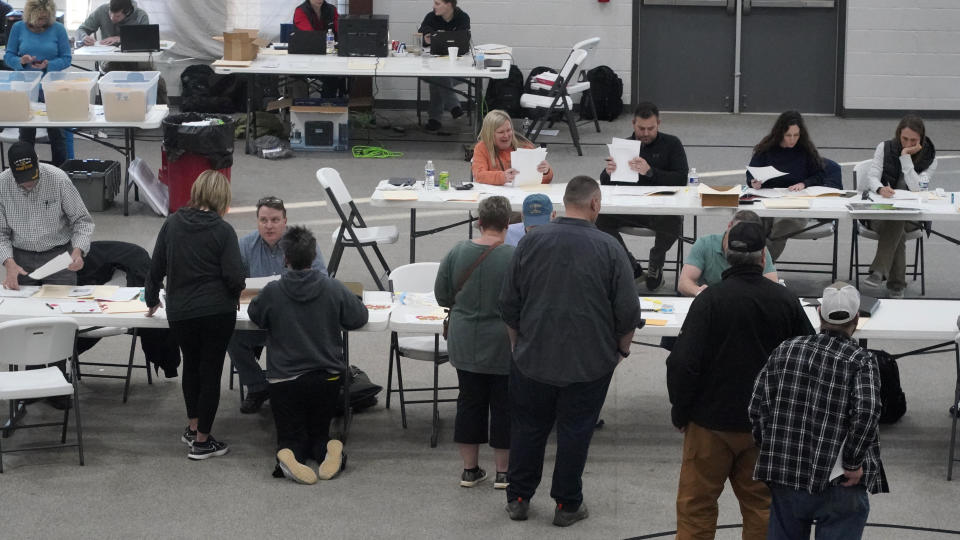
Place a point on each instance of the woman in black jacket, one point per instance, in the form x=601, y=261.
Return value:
x=198, y=253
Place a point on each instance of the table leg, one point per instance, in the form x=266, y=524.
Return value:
x=413, y=235
x=248, y=139
x=953, y=420
x=17, y=412
x=479, y=107
x=128, y=153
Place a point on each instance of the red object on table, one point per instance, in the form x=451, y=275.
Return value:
x=179, y=176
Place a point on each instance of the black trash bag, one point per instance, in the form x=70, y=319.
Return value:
x=213, y=142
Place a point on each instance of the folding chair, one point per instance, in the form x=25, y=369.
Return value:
x=558, y=99
x=109, y=331
x=417, y=277
x=642, y=232
x=353, y=231
x=857, y=268
x=38, y=341
x=582, y=85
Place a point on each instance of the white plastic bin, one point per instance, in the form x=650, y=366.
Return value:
x=18, y=89
x=68, y=95
x=128, y=95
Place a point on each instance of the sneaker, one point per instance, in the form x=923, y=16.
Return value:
x=432, y=125
x=518, y=509
x=637, y=270
x=456, y=112
x=654, y=278
x=293, y=469
x=874, y=279
x=501, y=481
x=208, y=449
x=562, y=518
x=254, y=401
x=471, y=478
x=334, y=461
x=895, y=293
x=189, y=436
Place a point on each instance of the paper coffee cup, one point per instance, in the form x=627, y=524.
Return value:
x=453, y=51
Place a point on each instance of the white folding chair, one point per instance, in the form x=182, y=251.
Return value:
x=581, y=85
x=557, y=99
x=857, y=268
x=353, y=231
x=417, y=278
x=38, y=341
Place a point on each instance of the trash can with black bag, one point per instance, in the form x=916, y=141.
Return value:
x=193, y=143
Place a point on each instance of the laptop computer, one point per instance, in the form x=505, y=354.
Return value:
x=140, y=38
x=439, y=42
x=307, y=42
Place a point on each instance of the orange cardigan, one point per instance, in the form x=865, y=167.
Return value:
x=485, y=174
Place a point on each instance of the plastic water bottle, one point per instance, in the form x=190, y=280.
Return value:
x=924, y=183
x=693, y=184
x=429, y=176
x=331, y=44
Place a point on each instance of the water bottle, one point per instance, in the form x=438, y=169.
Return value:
x=429, y=176
x=693, y=184
x=924, y=183
x=331, y=44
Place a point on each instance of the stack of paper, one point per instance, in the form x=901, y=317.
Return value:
x=762, y=174
x=80, y=306
x=622, y=151
x=54, y=265
x=132, y=306
x=24, y=291
x=526, y=161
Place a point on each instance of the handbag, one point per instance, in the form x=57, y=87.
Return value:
x=463, y=281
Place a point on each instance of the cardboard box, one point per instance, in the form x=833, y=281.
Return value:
x=242, y=44
x=728, y=196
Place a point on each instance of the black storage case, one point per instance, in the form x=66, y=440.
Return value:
x=97, y=181
x=364, y=35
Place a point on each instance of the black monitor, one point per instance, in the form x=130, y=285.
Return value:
x=442, y=40
x=364, y=35
x=140, y=38
x=307, y=42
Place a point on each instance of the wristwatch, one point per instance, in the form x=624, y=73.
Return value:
x=623, y=354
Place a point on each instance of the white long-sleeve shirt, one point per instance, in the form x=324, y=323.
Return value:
x=910, y=176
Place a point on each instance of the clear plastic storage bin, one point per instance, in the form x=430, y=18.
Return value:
x=68, y=95
x=18, y=89
x=128, y=95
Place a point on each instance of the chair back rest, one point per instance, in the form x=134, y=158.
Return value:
x=41, y=340
x=330, y=179
x=587, y=45
x=569, y=69
x=860, y=172
x=415, y=277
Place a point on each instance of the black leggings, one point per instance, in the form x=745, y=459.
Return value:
x=203, y=342
x=302, y=410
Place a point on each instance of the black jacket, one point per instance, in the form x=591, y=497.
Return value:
x=727, y=336
x=197, y=252
x=668, y=163
x=304, y=314
x=433, y=22
x=892, y=170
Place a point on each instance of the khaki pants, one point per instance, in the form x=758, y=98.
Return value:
x=890, y=259
x=709, y=459
x=778, y=231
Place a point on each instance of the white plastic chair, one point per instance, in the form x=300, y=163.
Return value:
x=558, y=99
x=581, y=85
x=859, y=230
x=417, y=278
x=38, y=341
x=353, y=231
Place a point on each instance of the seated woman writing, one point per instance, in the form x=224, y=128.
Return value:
x=494, y=167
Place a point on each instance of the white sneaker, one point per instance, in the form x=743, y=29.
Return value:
x=874, y=279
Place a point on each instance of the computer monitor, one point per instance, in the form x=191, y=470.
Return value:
x=140, y=38
x=442, y=40
x=364, y=35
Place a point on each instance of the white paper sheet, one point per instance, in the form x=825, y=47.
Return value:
x=24, y=291
x=260, y=282
x=901, y=194
x=622, y=151
x=526, y=160
x=837, y=470
x=56, y=264
x=765, y=173
x=80, y=306
x=124, y=294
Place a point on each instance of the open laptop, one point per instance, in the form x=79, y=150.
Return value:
x=140, y=38
x=440, y=41
x=307, y=42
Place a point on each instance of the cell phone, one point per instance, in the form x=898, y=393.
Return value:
x=401, y=181
x=463, y=186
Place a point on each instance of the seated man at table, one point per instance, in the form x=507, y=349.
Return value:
x=706, y=262
x=263, y=256
x=537, y=210
x=445, y=16
x=107, y=19
x=305, y=313
x=662, y=162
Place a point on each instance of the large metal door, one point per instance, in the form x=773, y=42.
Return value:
x=737, y=55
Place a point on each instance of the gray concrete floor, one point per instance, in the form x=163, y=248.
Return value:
x=137, y=481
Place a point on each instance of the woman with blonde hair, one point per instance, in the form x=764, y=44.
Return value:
x=491, y=155
x=198, y=253
x=40, y=43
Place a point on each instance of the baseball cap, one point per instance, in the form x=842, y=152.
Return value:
x=24, y=162
x=536, y=210
x=840, y=304
x=745, y=237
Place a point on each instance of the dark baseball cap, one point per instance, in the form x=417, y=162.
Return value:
x=24, y=162
x=745, y=237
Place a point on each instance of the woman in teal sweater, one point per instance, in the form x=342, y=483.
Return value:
x=39, y=43
x=477, y=342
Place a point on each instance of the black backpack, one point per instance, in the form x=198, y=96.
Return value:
x=363, y=392
x=202, y=90
x=607, y=89
x=892, y=398
x=505, y=93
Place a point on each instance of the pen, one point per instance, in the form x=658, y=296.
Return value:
x=48, y=305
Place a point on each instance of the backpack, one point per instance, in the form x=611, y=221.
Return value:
x=505, y=93
x=893, y=400
x=363, y=392
x=201, y=90
x=607, y=89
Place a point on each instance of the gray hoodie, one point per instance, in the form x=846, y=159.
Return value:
x=304, y=314
x=99, y=19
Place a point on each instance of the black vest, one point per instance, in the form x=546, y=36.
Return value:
x=891, y=160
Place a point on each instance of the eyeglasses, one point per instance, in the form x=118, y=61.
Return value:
x=271, y=202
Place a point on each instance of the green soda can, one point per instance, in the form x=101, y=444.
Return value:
x=444, y=179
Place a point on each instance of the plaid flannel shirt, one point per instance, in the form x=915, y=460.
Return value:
x=814, y=393
x=49, y=215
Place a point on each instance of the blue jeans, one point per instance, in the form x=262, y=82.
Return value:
x=442, y=97
x=839, y=512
